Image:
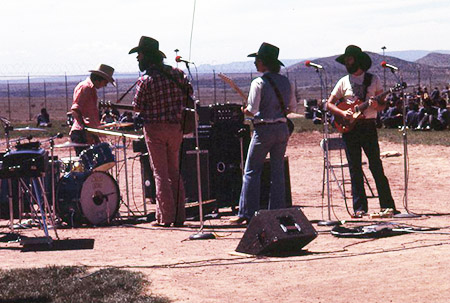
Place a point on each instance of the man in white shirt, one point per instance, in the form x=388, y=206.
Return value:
x=359, y=88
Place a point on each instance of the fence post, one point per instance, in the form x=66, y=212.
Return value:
x=117, y=89
x=224, y=93
x=29, y=98
x=215, y=92
x=67, y=93
x=45, y=94
x=9, y=99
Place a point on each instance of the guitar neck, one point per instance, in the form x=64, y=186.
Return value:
x=233, y=85
x=108, y=104
x=378, y=98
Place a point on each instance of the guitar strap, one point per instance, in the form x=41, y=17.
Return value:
x=366, y=83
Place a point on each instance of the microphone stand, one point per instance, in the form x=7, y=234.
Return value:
x=200, y=235
x=323, y=89
x=405, y=152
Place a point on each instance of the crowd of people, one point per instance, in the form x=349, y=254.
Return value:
x=425, y=111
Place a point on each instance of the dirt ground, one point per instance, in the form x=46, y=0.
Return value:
x=411, y=267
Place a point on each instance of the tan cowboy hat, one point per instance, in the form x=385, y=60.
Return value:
x=106, y=72
x=147, y=45
x=269, y=52
x=361, y=57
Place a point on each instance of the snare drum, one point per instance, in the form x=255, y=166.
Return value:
x=98, y=157
x=87, y=197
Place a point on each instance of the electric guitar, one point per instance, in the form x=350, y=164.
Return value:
x=108, y=104
x=233, y=85
x=344, y=125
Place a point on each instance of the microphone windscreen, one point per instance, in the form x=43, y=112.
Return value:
x=307, y=62
x=383, y=63
x=178, y=58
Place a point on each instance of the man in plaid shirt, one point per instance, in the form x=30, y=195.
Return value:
x=159, y=98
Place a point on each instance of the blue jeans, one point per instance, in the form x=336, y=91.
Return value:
x=364, y=137
x=267, y=138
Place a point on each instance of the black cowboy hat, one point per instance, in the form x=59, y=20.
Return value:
x=267, y=51
x=147, y=45
x=361, y=57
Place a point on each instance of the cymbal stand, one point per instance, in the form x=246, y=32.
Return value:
x=36, y=191
x=405, y=151
x=124, y=142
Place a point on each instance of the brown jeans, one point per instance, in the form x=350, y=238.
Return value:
x=163, y=143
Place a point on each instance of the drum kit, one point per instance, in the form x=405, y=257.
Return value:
x=79, y=189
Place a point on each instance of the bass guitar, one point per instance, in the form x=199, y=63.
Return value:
x=344, y=125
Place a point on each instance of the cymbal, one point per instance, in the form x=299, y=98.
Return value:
x=30, y=129
x=116, y=124
x=71, y=144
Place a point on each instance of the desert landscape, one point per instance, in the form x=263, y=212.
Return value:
x=411, y=266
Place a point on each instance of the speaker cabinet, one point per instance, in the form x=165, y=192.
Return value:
x=188, y=169
x=228, y=149
x=148, y=181
x=276, y=232
x=265, y=184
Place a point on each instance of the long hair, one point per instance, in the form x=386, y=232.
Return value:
x=272, y=65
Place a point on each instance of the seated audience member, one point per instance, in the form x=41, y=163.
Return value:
x=393, y=118
x=412, y=116
x=138, y=121
x=127, y=117
x=43, y=119
x=427, y=114
x=443, y=117
x=107, y=117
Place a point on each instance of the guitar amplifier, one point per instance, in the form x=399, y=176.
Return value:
x=25, y=163
x=226, y=113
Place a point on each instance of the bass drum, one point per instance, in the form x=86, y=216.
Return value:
x=87, y=197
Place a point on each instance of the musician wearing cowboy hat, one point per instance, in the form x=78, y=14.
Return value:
x=356, y=87
x=160, y=95
x=84, y=106
x=270, y=98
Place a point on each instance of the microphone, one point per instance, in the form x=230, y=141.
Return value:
x=386, y=65
x=178, y=59
x=315, y=65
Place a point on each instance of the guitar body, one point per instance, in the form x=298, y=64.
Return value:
x=344, y=125
x=357, y=107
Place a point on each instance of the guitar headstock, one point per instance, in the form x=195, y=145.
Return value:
x=105, y=104
x=398, y=86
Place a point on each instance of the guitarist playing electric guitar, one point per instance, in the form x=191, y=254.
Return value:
x=359, y=88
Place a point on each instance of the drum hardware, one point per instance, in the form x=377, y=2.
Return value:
x=71, y=144
x=98, y=157
x=23, y=129
x=116, y=125
x=124, y=138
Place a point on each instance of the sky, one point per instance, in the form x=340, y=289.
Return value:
x=73, y=36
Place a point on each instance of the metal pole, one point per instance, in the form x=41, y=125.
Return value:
x=117, y=89
x=9, y=99
x=384, y=70
x=214, y=81
x=45, y=95
x=29, y=98
x=67, y=93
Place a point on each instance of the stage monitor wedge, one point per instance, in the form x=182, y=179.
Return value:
x=275, y=232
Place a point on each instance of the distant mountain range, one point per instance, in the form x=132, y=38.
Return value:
x=433, y=58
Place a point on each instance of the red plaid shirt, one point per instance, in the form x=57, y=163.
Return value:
x=158, y=98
